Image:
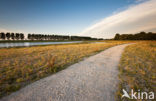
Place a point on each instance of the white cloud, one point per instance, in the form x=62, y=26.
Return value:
x=141, y=17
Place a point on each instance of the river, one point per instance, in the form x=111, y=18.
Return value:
x=27, y=44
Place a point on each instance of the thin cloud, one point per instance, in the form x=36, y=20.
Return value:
x=136, y=18
x=140, y=0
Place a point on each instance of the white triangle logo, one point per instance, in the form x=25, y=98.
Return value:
x=125, y=94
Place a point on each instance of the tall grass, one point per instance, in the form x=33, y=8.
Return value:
x=138, y=68
x=21, y=66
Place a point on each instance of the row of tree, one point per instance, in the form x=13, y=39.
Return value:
x=21, y=36
x=138, y=36
x=57, y=37
x=12, y=36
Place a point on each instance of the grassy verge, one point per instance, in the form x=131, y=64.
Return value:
x=21, y=66
x=138, y=69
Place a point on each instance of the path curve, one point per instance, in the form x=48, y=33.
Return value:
x=94, y=79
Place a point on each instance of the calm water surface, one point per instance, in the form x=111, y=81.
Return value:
x=27, y=44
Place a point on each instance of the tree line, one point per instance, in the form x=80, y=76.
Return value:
x=12, y=36
x=137, y=36
x=21, y=36
x=57, y=37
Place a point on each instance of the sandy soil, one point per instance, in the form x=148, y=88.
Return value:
x=94, y=79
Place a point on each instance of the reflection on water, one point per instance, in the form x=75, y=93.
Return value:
x=27, y=44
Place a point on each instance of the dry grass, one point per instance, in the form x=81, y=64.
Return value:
x=138, y=68
x=21, y=66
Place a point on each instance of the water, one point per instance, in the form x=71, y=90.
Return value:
x=27, y=44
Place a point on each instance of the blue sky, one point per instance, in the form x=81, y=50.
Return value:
x=66, y=17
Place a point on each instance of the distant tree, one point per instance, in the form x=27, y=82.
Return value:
x=138, y=36
x=8, y=35
x=130, y=37
x=150, y=35
x=2, y=36
x=32, y=36
x=12, y=36
x=98, y=39
x=17, y=36
x=40, y=37
x=117, y=36
x=29, y=36
x=21, y=36
x=142, y=35
x=46, y=37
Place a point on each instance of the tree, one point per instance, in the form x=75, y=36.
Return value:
x=8, y=36
x=21, y=36
x=117, y=36
x=29, y=36
x=138, y=36
x=2, y=36
x=12, y=36
x=17, y=36
x=32, y=36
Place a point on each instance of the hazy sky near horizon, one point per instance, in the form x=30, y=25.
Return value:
x=95, y=18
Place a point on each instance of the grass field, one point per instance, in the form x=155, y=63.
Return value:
x=21, y=66
x=138, y=68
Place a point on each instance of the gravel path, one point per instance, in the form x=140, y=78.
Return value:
x=94, y=79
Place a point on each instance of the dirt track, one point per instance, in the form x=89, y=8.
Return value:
x=94, y=79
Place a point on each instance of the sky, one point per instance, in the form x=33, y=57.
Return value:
x=95, y=18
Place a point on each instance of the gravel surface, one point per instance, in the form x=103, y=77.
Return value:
x=94, y=79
